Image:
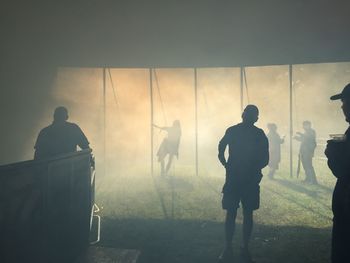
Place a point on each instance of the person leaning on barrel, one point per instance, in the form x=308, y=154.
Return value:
x=60, y=137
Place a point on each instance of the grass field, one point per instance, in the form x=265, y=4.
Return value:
x=179, y=219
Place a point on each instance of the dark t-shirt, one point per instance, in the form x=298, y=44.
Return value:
x=338, y=154
x=59, y=138
x=308, y=142
x=248, y=152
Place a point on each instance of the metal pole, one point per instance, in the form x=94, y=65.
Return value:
x=152, y=116
x=291, y=119
x=196, y=115
x=241, y=88
x=104, y=119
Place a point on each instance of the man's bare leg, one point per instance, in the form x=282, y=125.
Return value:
x=230, y=224
x=171, y=156
x=247, y=232
x=247, y=226
x=271, y=173
x=162, y=167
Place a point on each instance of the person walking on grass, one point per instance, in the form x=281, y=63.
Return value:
x=248, y=154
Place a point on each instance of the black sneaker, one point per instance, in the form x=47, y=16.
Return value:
x=245, y=256
x=226, y=256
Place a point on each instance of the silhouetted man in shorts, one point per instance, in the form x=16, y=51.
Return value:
x=338, y=154
x=248, y=154
x=60, y=137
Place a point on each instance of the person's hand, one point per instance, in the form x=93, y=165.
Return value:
x=330, y=148
x=333, y=148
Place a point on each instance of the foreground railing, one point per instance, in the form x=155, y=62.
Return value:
x=46, y=208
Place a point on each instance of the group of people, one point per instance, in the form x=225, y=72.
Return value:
x=249, y=152
x=306, y=153
x=170, y=147
x=63, y=137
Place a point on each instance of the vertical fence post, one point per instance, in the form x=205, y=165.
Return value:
x=291, y=119
x=196, y=115
x=152, y=116
x=104, y=118
x=241, y=87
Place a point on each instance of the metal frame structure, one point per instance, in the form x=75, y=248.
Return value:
x=243, y=82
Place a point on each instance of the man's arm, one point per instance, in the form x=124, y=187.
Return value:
x=282, y=139
x=82, y=141
x=40, y=146
x=299, y=136
x=161, y=128
x=222, y=147
x=263, y=151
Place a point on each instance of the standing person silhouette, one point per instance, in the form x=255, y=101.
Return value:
x=60, y=137
x=169, y=146
x=275, y=142
x=338, y=154
x=248, y=154
x=307, y=150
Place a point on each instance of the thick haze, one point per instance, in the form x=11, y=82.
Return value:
x=128, y=108
x=39, y=37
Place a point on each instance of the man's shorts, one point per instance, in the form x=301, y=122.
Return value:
x=248, y=195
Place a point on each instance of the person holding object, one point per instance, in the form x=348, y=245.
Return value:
x=248, y=154
x=307, y=150
x=169, y=146
x=338, y=154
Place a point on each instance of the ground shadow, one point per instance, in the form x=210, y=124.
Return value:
x=296, y=187
x=175, y=241
x=303, y=189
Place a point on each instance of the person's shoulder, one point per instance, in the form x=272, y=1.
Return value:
x=260, y=131
x=45, y=129
x=72, y=125
x=236, y=126
x=233, y=128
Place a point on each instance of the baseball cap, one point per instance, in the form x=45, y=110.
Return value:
x=344, y=94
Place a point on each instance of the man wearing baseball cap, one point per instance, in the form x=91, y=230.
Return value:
x=338, y=154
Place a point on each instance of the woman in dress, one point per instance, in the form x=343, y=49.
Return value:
x=169, y=145
x=275, y=142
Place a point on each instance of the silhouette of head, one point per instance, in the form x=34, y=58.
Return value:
x=250, y=114
x=176, y=123
x=60, y=114
x=307, y=125
x=344, y=96
x=272, y=126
